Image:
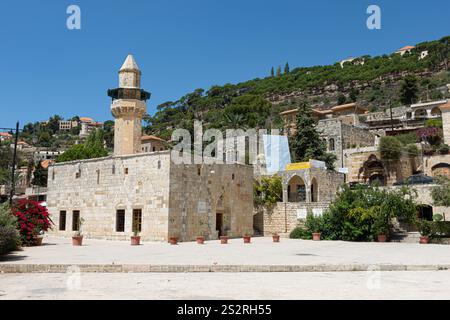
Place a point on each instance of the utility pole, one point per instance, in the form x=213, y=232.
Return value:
x=392, y=120
x=13, y=169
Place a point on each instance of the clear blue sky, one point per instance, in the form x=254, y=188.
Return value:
x=182, y=45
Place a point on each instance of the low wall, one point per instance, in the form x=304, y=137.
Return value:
x=285, y=216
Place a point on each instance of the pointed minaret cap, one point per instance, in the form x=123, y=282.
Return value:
x=129, y=64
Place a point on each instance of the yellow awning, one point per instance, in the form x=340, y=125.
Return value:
x=298, y=166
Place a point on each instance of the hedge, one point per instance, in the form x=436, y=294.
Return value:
x=8, y=239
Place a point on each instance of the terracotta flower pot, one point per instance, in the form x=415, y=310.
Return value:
x=223, y=240
x=173, y=240
x=316, y=236
x=38, y=241
x=247, y=239
x=276, y=238
x=77, y=240
x=381, y=238
x=424, y=240
x=135, y=240
x=200, y=240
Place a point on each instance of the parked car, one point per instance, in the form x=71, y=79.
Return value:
x=415, y=179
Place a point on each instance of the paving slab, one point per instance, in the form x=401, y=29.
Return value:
x=262, y=255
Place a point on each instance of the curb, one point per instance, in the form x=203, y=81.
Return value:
x=145, y=268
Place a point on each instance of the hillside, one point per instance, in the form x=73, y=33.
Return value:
x=370, y=81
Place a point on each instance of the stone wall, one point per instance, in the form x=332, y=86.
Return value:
x=286, y=216
x=198, y=193
x=110, y=184
x=175, y=200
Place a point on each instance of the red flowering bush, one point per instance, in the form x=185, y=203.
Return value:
x=32, y=220
x=430, y=134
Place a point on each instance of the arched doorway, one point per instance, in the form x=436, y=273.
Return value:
x=420, y=114
x=441, y=169
x=314, y=190
x=373, y=171
x=436, y=112
x=425, y=212
x=296, y=190
x=220, y=211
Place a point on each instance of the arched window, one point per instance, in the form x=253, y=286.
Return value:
x=296, y=190
x=331, y=146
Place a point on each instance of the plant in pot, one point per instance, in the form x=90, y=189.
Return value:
x=77, y=238
x=276, y=237
x=135, y=238
x=443, y=149
x=247, y=237
x=426, y=230
x=314, y=225
x=173, y=240
x=381, y=228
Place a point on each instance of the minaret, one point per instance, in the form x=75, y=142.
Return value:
x=128, y=107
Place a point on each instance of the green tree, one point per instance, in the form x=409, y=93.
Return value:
x=92, y=148
x=306, y=143
x=40, y=176
x=268, y=191
x=341, y=99
x=441, y=193
x=286, y=68
x=272, y=72
x=279, y=71
x=390, y=148
x=409, y=90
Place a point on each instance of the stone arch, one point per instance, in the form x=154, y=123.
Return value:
x=436, y=112
x=373, y=171
x=420, y=113
x=441, y=169
x=425, y=212
x=314, y=190
x=296, y=189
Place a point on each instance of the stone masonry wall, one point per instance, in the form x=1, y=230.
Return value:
x=199, y=192
x=104, y=187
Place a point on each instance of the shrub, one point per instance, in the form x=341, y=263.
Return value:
x=443, y=149
x=361, y=212
x=412, y=150
x=390, y=148
x=33, y=219
x=268, y=191
x=300, y=233
x=314, y=224
x=425, y=228
x=8, y=239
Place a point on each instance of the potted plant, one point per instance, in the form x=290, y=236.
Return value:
x=77, y=238
x=276, y=237
x=381, y=228
x=443, y=149
x=200, y=240
x=426, y=230
x=135, y=238
x=173, y=240
x=247, y=238
x=223, y=239
x=314, y=224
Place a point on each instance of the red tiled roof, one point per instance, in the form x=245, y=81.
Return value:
x=150, y=137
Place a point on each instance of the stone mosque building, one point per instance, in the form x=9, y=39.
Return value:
x=145, y=191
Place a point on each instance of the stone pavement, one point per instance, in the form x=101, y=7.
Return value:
x=57, y=254
x=341, y=285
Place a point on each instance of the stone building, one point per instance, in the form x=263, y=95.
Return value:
x=307, y=188
x=339, y=127
x=151, y=144
x=146, y=191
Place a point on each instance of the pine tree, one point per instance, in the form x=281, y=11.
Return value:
x=306, y=142
x=286, y=68
x=40, y=176
x=409, y=90
x=279, y=71
x=272, y=72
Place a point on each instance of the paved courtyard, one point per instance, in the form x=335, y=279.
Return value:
x=302, y=285
x=261, y=252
